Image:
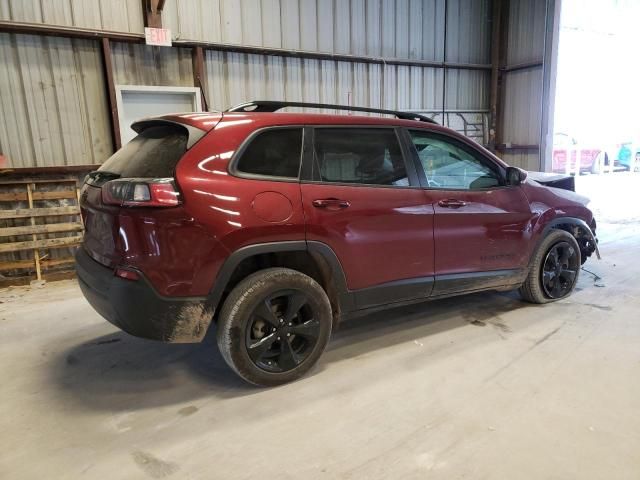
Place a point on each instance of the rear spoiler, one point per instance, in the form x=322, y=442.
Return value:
x=194, y=134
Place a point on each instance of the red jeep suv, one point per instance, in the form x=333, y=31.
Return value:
x=274, y=226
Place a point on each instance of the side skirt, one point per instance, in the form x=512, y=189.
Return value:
x=476, y=281
x=416, y=290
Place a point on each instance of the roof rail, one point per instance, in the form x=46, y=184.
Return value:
x=273, y=106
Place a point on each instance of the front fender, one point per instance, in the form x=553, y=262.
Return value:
x=565, y=223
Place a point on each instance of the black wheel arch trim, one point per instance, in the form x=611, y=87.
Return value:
x=556, y=222
x=320, y=249
x=378, y=297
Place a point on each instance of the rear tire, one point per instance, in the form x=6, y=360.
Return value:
x=555, y=268
x=273, y=326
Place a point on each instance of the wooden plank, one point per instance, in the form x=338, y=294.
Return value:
x=46, y=243
x=28, y=264
x=39, y=212
x=13, y=197
x=16, y=264
x=36, y=253
x=54, y=170
x=25, y=181
x=54, y=262
x=38, y=229
x=54, y=195
x=23, y=197
x=49, y=277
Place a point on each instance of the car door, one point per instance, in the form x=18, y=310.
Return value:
x=361, y=199
x=481, y=225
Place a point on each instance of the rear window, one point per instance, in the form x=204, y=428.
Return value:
x=154, y=153
x=369, y=156
x=273, y=153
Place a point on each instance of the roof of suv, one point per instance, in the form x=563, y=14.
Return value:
x=207, y=120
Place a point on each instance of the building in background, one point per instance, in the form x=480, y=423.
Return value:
x=64, y=64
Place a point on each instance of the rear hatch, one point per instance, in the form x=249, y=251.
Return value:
x=135, y=182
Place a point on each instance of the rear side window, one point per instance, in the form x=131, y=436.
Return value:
x=273, y=153
x=155, y=152
x=369, y=156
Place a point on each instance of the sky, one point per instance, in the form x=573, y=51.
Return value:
x=598, y=82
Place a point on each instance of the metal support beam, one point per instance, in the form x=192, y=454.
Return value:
x=522, y=66
x=152, y=13
x=111, y=93
x=73, y=32
x=199, y=76
x=512, y=148
x=549, y=74
x=501, y=54
x=496, y=26
x=444, y=62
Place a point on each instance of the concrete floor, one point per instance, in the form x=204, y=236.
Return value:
x=482, y=386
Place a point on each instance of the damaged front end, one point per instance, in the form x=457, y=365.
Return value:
x=555, y=180
x=564, y=195
x=587, y=240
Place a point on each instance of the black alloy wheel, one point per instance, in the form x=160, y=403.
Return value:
x=282, y=331
x=560, y=270
x=274, y=326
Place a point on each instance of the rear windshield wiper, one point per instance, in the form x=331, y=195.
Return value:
x=100, y=177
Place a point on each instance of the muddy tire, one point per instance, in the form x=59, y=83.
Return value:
x=554, y=270
x=273, y=326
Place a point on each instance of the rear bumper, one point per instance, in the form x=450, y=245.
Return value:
x=136, y=308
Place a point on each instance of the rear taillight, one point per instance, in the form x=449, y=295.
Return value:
x=158, y=192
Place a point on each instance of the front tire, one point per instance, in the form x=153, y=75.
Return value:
x=273, y=326
x=554, y=269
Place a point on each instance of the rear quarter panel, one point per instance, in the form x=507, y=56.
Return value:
x=235, y=211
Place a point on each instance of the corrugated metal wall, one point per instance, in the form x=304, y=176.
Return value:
x=380, y=28
x=114, y=15
x=389, y=28
x=53, y=93
x=523, y=89
x=53, y=108
x=139, y=64
x=236, y=77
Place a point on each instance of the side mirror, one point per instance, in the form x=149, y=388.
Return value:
x=515, y=176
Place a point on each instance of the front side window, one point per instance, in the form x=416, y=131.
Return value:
x=273, y=153
x=447, y=165
x=368, y=156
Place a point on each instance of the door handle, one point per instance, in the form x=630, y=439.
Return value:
x=330, y=203
x=451, y=203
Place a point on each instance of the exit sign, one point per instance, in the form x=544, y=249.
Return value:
x=157, y=36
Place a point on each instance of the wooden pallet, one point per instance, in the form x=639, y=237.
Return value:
x=39, y=223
